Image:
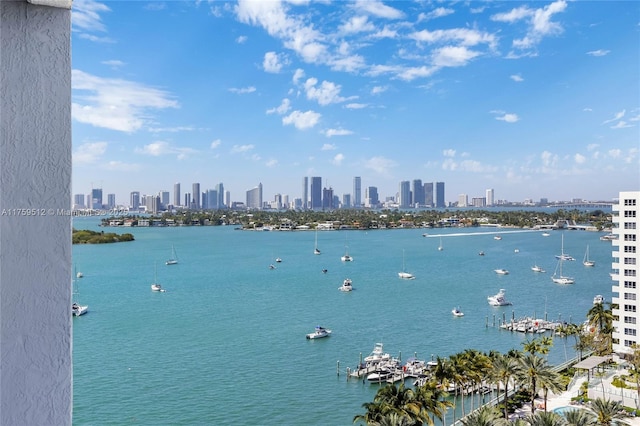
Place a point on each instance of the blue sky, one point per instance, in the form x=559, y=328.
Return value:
x=533, y=99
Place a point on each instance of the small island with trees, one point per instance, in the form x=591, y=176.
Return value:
x=84, y=236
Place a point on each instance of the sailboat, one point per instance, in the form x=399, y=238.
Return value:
x=76, y=308
x=563, y=255
x=440, y=248
x=155, y=286
x=557, y=276
x=404, y=274
x=173, y=260
x=316, y=250
x=586, y=261
x=346, y=257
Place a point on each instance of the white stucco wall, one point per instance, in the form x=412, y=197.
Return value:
x=35, y=245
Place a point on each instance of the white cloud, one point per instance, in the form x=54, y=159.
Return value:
x=297, y=75
x=548, y=159
x=621, y=125
x=379, y=89
x=325, y=94
x=302, y=120
x=592, y=146
x=88, y=153
x=156, y=149
x=380, y=165
x=272, y=162
x=599, y=52
x=509, y=118
x=271, y=62
x=385, y=32
x=357, y=24
x=337, y=132
x=614, y=153
x=517, y=78
x=540, y=24
x=453, y=56
x=119, y=166
x=436, y=13
x=283, y=108
x=338, y=159
x=85, y=15
x=355, y=106
x=617, y=116
x=377, y=8
x=242, y=90
x=114, y=63
x=241, y=148
x=514, y=15
x=242, y=39
x=113, y=103
x=579, y=159
x=464, y=36
x=449, y=152
x=216, y=143
x=328, y=147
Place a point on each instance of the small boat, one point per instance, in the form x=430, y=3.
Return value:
x=278, y=260
x=598, y=299
x=404, y=274
x=324, y=271
x=316, y=250
x=501, y=271
x=380, y=375
x=425, y=234
x=173, y=260
x=557, y=276
x=155, y=286
x=457, y=312
x=497, y=237
x=346, y=257
x=79, y=274
x=563, y=255
x=377, y=355
x=516, y=250
x=319, y=333
x=536, y=268
x=498, y=299
x=77, y=310
x=346, y=285
x=608, y=237
x=272, y=266
x=586, y=261
x=545, y=234
x=480, y=253
x=440, y=248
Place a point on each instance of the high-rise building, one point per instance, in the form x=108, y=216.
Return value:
x=96, y=198
x=195, y=189
x=418, y=192
x=440, y=203
x=316, y=193
x=404, y=195
x=357, y=192
x=305, y=192
x=220, y=202
x=111, y=200
x=187, y=200
x=78, y=201
x=254, y=197
x=212, y=200
x=164, y=200
x=489, y=197
x=227, y=199
x=428, y=194
x=463, y=200
x=327, y=198
x=346, y=201
x=152, y=203
x=625, y=265
x=134, y=200
x=371, y=199
x=176, y=194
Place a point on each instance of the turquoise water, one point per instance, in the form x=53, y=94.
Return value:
x=226, y=343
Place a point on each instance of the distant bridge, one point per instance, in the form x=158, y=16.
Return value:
x=582, y=205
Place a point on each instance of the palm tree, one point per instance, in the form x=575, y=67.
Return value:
x=532, y=367
x=608, y=413
x=504, y=369
x=479, y=366
x=393, y=419
x=485, y=416
x=432, y=400
x=601, y=319
x=375, y=411
x=399, y=399
x=549, y=380
x=459, y=375
x=579, y=417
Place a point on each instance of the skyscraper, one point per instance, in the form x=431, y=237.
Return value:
x=305, y=192
x=134, y=200
x=78, y=201
x=327, y=198
x=195, y=189
x=428, y=194
x=220, y=203
x=316, y=193
x=346, y=201
x=164, y=199
x=626, y=261
x=176, y=193
x=489, y=197
x=405, y=195
x=371, y=197
x=463, y=200
x=357, y=192
x=418, y=192
x=96, y=198
x=440, y=203
x=254, y=197
x=111, y=200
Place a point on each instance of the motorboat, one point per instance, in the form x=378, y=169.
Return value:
x=319, y=333
x=457, y=312
x=536, y=268
x=586, y=261
x=501, y=271
x=440, y=247
x=272, y=266
x=497, y=237
x=545, y=234
x=278, y=260
x=608, y=237
x=157, y=287
x=480, y=253
x=346, y=285
x=598, y=299
x=79, y=274
x=380, y=375
x=377, y=355
x=498, y=299
x=77, y=310
x=516, y=250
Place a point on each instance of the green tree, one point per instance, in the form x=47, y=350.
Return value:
x=504, y=369
x=601, y=320
x=533, y=369
x=579, y=417
x=608, y=413
x=545, y=419
x=432, y=401
x=484, y=416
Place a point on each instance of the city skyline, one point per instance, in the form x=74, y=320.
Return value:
x=533, y=99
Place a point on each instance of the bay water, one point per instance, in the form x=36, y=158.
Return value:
x=225, y=344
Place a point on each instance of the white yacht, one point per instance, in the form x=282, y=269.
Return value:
x=404, y=274
x=536, y=268
x=557, y=276
x=563, y=255
x=498, y=299
x=377, y=355
x=319, y=333
x=586, y=261
x=346, y=285
x=501, y=271
x=457, y=312
x=497, y=237
x=157, y=287
x=173, y=260
x=77, y=310
x=598, y=299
